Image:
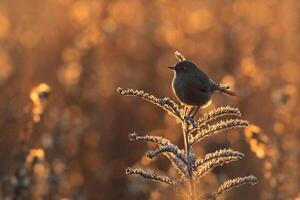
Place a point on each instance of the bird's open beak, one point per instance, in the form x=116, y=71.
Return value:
x=171, y=68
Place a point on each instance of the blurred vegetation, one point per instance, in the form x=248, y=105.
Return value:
x=73, y=144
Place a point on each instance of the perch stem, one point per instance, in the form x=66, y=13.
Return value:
x=188, y=147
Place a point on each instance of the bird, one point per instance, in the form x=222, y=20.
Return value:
x=192, y=86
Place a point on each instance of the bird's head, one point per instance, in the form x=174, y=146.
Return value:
x=184, y=67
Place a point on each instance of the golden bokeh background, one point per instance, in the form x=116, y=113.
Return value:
x=74, y=145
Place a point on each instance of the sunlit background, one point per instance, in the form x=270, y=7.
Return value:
x=73, y=143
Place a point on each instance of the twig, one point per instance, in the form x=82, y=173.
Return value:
x=151, y=175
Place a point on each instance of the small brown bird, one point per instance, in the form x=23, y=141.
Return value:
x=192, y=86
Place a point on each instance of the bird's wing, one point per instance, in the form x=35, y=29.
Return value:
x=202, y=83
x=214, y=86
x=200, y=86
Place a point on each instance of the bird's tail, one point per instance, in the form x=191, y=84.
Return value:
x=221, y=88
x=225, y=89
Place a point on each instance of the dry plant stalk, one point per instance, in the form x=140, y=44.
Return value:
x=189, y=168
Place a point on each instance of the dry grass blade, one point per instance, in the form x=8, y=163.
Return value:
x=151, y=175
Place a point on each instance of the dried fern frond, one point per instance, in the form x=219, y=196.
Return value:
x=219, y=154
x=149, y=138
x=179, y=165
x=232, y=183
x=211, y=164
x=150, y=175
x=167, y=104
x=184, y=161
x=168, y=148
x=219, y=112
x=179, y=56
x=220, y=126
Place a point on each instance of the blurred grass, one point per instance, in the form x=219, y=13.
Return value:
x=85, y=49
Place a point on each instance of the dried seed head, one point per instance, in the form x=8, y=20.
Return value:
x=132, y=136
x=179, y=56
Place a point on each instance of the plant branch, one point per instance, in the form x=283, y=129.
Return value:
x=168, y=148
x=149, y=138
x=217, y=113
x=233, y=183
x=211, y=164
x=151, y=175
x=167, y=104
x=219, y=154
x=180, y=166
x=220, y=126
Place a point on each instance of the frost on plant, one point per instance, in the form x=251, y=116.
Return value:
x=190, y=169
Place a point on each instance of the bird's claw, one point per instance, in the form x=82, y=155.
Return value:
x=189, y=119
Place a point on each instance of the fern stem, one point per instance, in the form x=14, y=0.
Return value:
x=188, y=149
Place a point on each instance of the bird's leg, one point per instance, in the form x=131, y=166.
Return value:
x=185, y=111
x=188, y=117
x=197, y=109
x=191, y=111
x=185, y=117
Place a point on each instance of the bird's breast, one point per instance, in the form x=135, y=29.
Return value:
x=187, y=93
x=181, y=89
